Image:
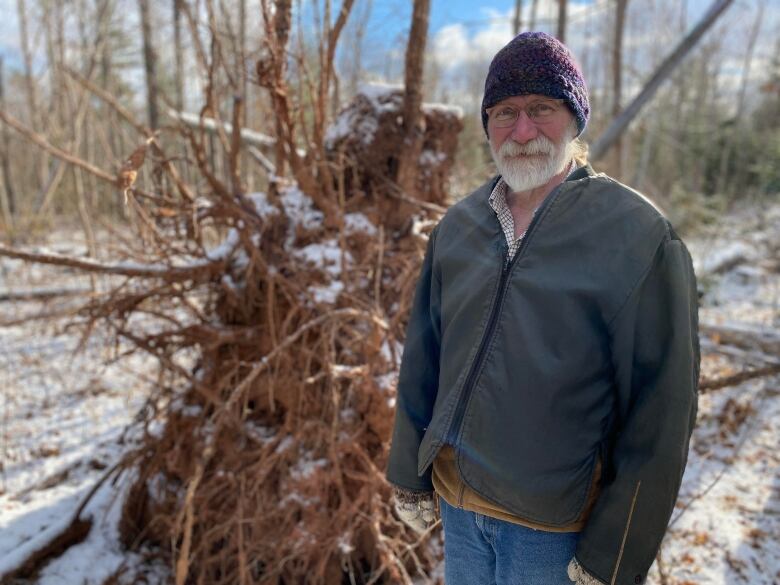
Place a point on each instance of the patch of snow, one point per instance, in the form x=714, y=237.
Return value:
x=300, y=209
x=284, y=444
x=457, y=111
x=261, y=434
x=419, y=224
x=222, y=250
x=325, y=255
x=392, y=356
x=327, y=293
x=358, y=222
x=722, y=258
x=344, y=544
x=387, y=382
x=228, y=281
x=262, y=206
x=382, y=98
x=294, y=497
x=304, y=468
x=431, y=158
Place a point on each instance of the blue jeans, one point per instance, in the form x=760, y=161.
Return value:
x=480, y=550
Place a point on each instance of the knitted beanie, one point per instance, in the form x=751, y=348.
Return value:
x=535, y=62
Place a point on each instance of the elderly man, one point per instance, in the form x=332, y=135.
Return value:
x=548, y=386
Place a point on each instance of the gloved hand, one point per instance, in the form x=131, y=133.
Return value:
x=416, y=509
x=579, y=575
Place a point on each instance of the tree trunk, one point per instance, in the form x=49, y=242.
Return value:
x=518, y=20
x=354, y=65
x=618, y=125
x=617, y=77
x=39, y=160
x=727, y=152
x=562, y=21
x=150, y=65
x=178, y=55
x=413, y=78
x=8, y=202
x=532, y=20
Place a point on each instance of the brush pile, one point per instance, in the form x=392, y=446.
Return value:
x=267, y=464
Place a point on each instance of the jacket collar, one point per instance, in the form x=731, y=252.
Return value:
x=581, y=173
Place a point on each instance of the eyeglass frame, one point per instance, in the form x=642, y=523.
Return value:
x=534, y=119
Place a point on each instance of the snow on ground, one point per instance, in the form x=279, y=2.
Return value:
x=726, y=527
x=62, y=419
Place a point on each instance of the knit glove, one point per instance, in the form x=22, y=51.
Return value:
x=579, y=575
x=416, y=509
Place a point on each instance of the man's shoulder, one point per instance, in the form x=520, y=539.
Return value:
x=474, y=202
x=613, y=192
x=471, y=209
x=478, y=196
x=629, y=207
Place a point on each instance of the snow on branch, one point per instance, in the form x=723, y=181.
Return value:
x=210, y=124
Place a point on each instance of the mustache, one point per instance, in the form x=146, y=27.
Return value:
x=539, y=145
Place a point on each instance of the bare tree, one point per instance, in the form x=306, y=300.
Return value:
x=150, y=64
x=178, y=55
x=617, y=75
x=728, y=148
x=352, y=58
x=562, y=20
x=29, y=85
x=8, y=201
x=604, y=142
x=518, y=20
x=415, y=57
x=532, y=19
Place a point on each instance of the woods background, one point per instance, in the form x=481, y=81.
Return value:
x=246, y=188
x=708, y=138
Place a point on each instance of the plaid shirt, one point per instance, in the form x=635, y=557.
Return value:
x=497, y=201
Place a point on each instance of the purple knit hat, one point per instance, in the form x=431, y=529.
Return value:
x=535, y=62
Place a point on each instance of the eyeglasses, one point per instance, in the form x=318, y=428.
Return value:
x=539, y=112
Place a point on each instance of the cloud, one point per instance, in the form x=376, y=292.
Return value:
x=451, y=46
x=456, y=44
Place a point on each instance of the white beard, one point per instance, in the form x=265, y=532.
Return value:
x=524, y=174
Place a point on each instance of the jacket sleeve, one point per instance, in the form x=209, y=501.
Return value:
x=655, y=348
x=418, y=378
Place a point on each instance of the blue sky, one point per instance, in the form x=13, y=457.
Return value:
x=390, y=18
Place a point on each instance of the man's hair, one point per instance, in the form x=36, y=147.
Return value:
x=579, y=147
x=580, y=151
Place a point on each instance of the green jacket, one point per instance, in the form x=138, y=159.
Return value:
x=585, y=344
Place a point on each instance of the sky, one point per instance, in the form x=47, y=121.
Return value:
x=465, y=34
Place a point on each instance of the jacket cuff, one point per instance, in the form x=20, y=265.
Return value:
x=579, y=575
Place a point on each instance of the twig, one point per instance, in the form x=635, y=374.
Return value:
x=41, y=294
x=717, y=383
x=168, y=273
x=53, y=150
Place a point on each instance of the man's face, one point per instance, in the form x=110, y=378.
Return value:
x=530, y=139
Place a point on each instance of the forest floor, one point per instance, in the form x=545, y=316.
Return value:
x=65, y=419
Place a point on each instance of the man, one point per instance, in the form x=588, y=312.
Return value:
x=548, y=386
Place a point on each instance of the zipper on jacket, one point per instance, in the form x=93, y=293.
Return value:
x=453, y=434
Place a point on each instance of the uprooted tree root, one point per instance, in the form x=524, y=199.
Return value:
x=270, y=466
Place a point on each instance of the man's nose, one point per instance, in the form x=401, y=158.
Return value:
x=524, y=129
